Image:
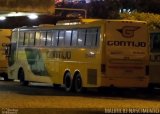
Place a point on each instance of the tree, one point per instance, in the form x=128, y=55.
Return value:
x=151, y=6
x=153, y=20
x=104, y=9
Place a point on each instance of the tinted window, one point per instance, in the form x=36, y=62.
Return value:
x=91, y=37
x=26, y=39
x=37, y=39
x=74, y=37
x=21, y=38
x=43, y=38
x=81, y=37
x=68, y=34
x=155, y=42
x=31, y=40
x=49, y=38
x=61, y=38
x=55, y=38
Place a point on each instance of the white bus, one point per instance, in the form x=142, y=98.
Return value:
x=155, y=58
x=91, y=53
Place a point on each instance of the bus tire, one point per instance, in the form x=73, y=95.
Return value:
x=67, y=82
x=5, y=76
x=21, y=77
x=77, y=86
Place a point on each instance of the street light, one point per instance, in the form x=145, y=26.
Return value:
x=2, y=18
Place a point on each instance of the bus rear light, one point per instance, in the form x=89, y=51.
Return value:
x=147, y=70
x=103, y=68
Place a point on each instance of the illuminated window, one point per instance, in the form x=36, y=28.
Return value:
x=43, y=38
x=31, y=40
x=91, y=37
x=81, y=37
x=37, y=39
x=55, y=38
x=74, y=38
x=61, y=38
x=26, y=40
x=21, y=38
x=68, y=34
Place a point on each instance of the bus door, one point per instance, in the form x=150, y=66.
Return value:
x=12, y=48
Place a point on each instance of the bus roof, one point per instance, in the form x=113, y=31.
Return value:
x=85, y=21
x=74, y=22
x=41, y=27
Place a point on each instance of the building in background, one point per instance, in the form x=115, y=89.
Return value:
x=73, y=1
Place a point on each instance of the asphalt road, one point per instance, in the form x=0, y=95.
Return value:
x=44, y=99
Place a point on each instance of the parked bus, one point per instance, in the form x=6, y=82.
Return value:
x=5, y=35
x=155, y=58
x=88, y=53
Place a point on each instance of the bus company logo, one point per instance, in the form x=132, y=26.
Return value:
x=128, y=31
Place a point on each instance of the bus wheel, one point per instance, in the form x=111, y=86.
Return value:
x=67, y=82
x=21, y=77
x=77, y=83
x=5, y=76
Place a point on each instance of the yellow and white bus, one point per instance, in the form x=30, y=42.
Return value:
x=91, y=53
x=155, y=58
x=5, y=35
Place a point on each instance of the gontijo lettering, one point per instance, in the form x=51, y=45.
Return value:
x=59, y=54
x=126, y=43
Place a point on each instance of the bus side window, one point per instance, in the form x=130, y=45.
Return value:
x=21, y=38
x=37, y=39
x=49, y=39
x=74, y=38
x=67, y=39
x=55, y=38
x=97, y=37
x=32, y=37
x=26, y=41
x=92, y=37
x=61, y=38
x=43, y=39
x=81, y=37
